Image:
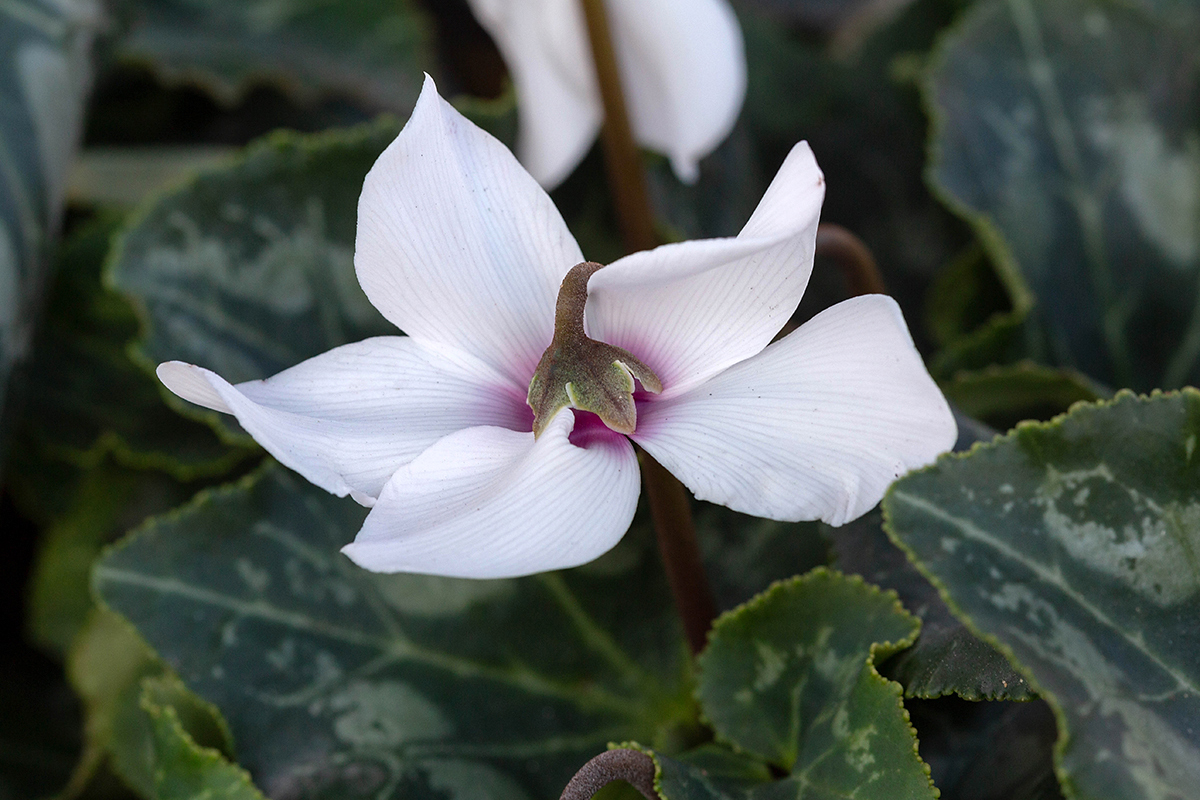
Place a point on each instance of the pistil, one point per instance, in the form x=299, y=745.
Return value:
x=582, y=373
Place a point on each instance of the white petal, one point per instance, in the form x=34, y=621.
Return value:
x=349, y=418
x=692, y=309
x=815, y=427
x=683, y=70
x=493, y=503
x=189, y=382
x=458, y=245
x=545, y=45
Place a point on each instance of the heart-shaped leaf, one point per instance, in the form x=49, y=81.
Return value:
x=790, y=677
x=337, y=682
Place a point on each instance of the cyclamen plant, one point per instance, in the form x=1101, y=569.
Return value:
x=490, y=441
x=1034, y=205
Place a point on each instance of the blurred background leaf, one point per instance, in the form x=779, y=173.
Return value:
x=371, y=50
x=110, y=500
x=143, y=729
x=861, y=112
x=91, y=397
x=1004, y=394
x=1065, y=132
x=45, y=75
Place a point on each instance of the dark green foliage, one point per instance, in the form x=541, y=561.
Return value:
x=1073, y=545
x=1066, y=132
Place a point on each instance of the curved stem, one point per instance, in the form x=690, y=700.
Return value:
x=625, y=177
x=572, y=300
x=631, y=766
x=853, y=256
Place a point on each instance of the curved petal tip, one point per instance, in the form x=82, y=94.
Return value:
x=190, y=382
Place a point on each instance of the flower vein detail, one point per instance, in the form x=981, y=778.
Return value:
x=433, y=430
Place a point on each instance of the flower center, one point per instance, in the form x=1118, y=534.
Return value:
x=584, y=374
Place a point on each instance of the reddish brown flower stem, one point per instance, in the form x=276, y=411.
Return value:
x=853, y=257
x=671, y=511
x=670, y=506
x=626, y=180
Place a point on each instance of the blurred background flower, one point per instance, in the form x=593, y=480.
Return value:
x=682, y=65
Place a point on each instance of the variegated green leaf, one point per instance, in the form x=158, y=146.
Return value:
x=1075, y=545
x=45, y=75
x=790, y=678
x=337, y=682
x=249, y=269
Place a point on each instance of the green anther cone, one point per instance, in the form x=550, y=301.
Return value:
x=584, y=374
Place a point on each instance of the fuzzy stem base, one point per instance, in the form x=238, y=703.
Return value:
x=631, y=766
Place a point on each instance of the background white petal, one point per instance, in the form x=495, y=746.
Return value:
x=692, y=309
x=458, y=245
x=683, y=69
x=493, y=503
x=544, y=44
x=815, y=427
x=349, y=418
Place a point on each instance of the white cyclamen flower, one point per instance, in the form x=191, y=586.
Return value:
x=459, y=247
x=682, y=65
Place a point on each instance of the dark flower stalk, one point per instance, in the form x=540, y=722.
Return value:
x=669, y=504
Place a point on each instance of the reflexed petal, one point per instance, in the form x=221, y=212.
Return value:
x=544, y=44
x=683, y=69
x=690, y=310
x=815, y=427
x=458, y=245
x=349, y=418
x=493, y=503
x=190, y=383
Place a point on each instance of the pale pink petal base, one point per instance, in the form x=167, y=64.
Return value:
x=815, y=427
x=690, y=310
x=494, y=503
x=349, y=418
